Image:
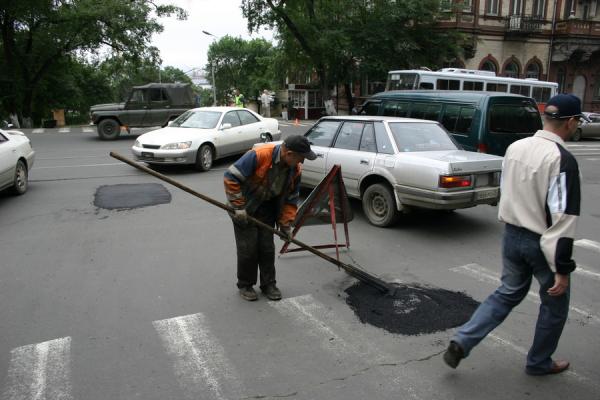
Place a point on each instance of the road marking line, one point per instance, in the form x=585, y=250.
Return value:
x=592, y=159
x=481, y=274
x=586, y=272
x=88, y=130
x=79, y=166
x=319, y=322
x=40, y=371
x=199, y=358
x=588, y=244
x=504, y=342
x=39, y=130
x=64, y=130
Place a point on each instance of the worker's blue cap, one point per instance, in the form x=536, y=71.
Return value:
x=568, y=105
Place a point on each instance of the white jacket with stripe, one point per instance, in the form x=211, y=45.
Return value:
x=541, y=192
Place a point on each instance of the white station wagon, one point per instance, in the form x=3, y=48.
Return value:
x=16, y=159
x=393, y=164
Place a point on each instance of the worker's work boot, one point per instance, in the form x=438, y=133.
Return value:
x=272, y=292
x=248, y=293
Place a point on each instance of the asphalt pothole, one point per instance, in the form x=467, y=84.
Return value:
x=130, y=196
x=411, y=309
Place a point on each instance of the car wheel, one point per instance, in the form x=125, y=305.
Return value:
x=266, y=137
x=109, y=129
x=20, y=180
x=379, y=205
x=576, y=136
x=204, y=158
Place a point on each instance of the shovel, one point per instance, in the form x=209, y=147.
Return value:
x=351, y=270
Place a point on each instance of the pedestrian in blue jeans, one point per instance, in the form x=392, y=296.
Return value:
x=540, y=204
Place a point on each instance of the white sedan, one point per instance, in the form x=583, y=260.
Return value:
x=393, y=164
x=16, y=159
x=202, y=135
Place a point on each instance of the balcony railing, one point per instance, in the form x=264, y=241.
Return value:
x=523, y=24
x=578, y=27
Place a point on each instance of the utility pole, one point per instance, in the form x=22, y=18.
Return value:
x=212, y=71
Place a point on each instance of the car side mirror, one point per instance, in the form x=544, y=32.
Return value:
x=226, y=125
x=170, y=123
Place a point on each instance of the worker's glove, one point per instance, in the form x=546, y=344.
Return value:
x=287, y=233
x=240, y=217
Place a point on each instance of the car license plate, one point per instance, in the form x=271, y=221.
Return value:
x=486, y=194
x=145, y=154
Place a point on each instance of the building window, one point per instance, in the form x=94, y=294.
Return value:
x=568, y=8
x=560, y=79
x=467, y=5
x=489, y=66
x=533, y=71
x=511, y=70
x=491, y=7
x=597, y=91
x=517, y=6
x=538, y=8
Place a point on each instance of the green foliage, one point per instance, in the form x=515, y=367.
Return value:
x=245, y=65
x=341, y=39
x=40, y=35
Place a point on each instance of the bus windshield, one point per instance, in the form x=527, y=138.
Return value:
x=402, y=81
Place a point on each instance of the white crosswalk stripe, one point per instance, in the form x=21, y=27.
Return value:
x=64, y=130
x=40, y=372
x=588, y=244
x=39, y=130
x=483, y=275
x=88, y=130
x=338, y=337
x=199, y=359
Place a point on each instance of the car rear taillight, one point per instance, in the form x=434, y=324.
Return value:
x=482, y=148
x=449, y=182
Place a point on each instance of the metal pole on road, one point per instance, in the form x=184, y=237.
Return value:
x=352, y=270
x=212, y=71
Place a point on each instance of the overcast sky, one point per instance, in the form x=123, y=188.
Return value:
x=182, y=43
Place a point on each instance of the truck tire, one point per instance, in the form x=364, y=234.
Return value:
x=379, y=205
x=109, y=129
x=204, y=158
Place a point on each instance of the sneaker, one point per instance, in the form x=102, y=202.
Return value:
x=453, y=355
x=248, y=293
x=272, y=292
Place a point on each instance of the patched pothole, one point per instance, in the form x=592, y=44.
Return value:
x=411, y=309
x=130, y=196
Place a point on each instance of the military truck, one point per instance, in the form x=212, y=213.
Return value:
x=154, y=104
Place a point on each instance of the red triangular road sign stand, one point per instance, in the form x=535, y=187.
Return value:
x=326, y=204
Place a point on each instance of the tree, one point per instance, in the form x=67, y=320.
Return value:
x=241, y=64
x=339, y=39
x=39, y=34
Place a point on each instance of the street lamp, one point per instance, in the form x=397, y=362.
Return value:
x=212, y=71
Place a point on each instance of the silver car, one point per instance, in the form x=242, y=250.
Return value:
x=393, y=164
x=202, y=135
x=589, y=127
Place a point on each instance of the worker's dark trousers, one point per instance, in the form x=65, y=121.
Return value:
x=256, y=249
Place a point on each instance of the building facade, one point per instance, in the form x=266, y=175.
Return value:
x=555, y=40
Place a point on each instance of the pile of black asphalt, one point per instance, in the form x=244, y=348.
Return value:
x=130, y=196
x=410, y=309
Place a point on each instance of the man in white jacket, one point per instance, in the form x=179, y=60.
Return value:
x=540, y=204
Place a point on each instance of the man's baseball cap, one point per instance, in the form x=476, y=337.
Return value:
x=300, y=144
x=569, y=106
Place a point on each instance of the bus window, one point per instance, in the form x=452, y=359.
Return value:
x=402, y=81
x=426, y=111
x=520, y=89
x=541, y=94
x=473, y=85
x=465, y=119
x=450, y=117
x=448, y=84
x=395, y=109
x=496, y=87
x=426, y=85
